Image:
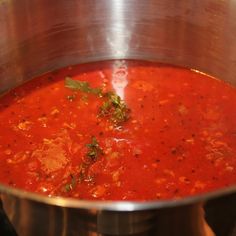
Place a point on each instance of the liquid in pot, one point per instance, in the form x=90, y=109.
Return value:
x=119, y=130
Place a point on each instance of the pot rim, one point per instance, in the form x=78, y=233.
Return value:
x=114, y=205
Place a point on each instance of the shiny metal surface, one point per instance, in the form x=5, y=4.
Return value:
x=37, y=36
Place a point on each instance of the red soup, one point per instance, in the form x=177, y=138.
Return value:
x=119, y=130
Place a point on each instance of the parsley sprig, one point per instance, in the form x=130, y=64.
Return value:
x=94, y=150
x=113, y=106
x=71, y=185
x=82, y=86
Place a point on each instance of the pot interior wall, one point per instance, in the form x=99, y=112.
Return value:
x=40, y=35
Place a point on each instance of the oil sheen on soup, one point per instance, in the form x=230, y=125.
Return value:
x=119, y=130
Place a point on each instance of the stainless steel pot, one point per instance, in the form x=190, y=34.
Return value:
x=37, y=36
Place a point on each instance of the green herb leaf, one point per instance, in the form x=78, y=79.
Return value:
x=94, y=150
x=82, y=86
x=115, y=108
x=70, y=186
x=67, y=187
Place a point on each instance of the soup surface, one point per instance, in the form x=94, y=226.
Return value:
x=119, y=130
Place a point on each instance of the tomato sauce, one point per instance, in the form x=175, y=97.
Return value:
x=133, y=131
